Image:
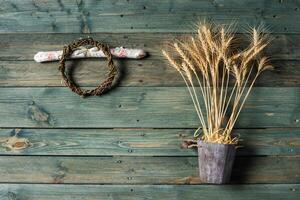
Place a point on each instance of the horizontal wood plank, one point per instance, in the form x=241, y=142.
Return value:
x=68, y=16
x=137, y=192
x=18, y=68
x=136, y=107
x=20, y=46
x=139, y=142
x=140, y=170
x=145, y=73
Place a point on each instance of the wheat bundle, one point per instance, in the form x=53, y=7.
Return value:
x=209, y=63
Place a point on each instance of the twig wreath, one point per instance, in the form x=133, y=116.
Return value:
x=102, y=87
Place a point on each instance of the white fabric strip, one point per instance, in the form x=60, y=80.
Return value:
x=120, y=52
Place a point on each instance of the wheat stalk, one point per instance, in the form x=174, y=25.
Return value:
x=210, y=60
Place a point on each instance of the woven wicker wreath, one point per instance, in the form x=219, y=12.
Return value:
x=102, y=87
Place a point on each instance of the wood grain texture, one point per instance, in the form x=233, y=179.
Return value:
x=18, y=68
x=133, y=135
x=136, y=107
x=137, y=192
x=147, y=72
x=67, y=16
x=22, y=46
x=215, y=162
x=140, y=170
x=142, y=142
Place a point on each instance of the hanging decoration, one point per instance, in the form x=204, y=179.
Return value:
x=77, y=49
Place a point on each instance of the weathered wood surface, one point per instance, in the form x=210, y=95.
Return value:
x=140, y=170
x=215, y=162
x=141, y=142
x=134, y=107
x=148, y=72
x=81, y=143
x=68, y=16
x=22, y=46
x=152, y=71
x=137, y=192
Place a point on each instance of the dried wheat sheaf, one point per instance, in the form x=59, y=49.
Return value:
x=219, y=75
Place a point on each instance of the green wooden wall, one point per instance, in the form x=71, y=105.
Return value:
x=127, y=144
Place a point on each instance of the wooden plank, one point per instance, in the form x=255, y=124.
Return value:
x=152, y=71
x=143, y=16
x=20, y=46
x=145, y=73
x=141, y=142
x=135, y=107
x=140, y=170
x=137, y=192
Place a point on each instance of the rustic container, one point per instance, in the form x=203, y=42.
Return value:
x=215, y=162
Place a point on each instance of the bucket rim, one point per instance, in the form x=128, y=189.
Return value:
x=199, y=142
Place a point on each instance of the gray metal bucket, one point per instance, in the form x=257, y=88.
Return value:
x=215, y=162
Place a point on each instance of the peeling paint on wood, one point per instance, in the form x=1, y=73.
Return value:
x=37, y=114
